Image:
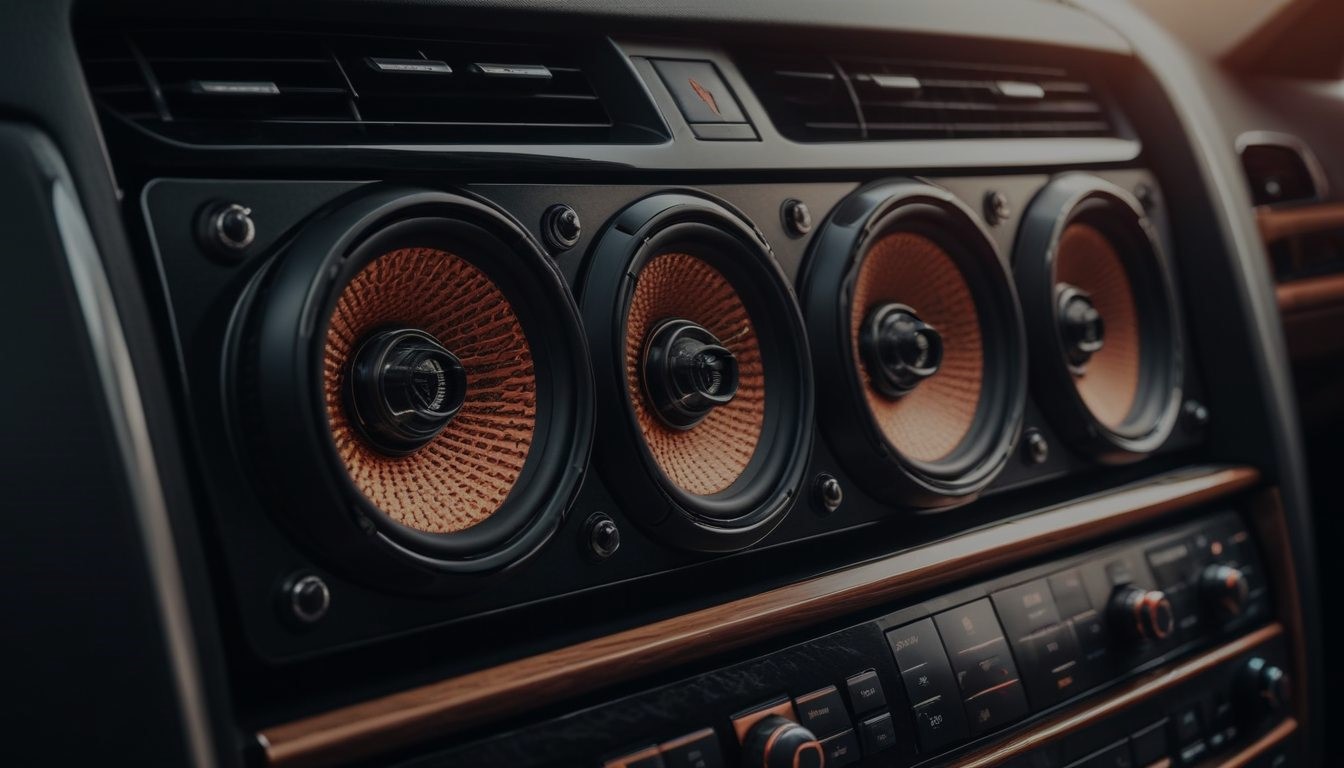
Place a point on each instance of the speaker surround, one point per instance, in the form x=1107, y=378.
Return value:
x=917, y=336
x=412, y=386
x=1100, y=305
x=681, y=295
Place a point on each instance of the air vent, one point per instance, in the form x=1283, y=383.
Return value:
x=822, y=98
x=1279, y=169
x=213, y=86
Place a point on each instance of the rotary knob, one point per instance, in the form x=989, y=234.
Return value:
x=778, y=742
x=1263, y=689
x=1142, y=614
x=1223, y=591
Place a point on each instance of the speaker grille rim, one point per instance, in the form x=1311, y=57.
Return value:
x=930, y=423
x=708, y=458
x=451, y=488
x=1109, y=384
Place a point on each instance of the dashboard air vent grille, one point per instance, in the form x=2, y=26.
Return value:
x=853, y=99
x=214, y=86
x=1278, y=173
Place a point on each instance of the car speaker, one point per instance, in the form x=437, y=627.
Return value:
x=412, y=385
x=918, y=341
x=1101, y=309
x=699, y=347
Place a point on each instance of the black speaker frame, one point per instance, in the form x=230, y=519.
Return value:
x=275, y=391
x=1120, y=217
x=752, y=506
x=828, y=279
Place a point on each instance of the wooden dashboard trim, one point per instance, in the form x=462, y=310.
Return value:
x=1310, y=293
x=1282, y=223
x=1253, y=752
x=454, y=704
x=1135, y=693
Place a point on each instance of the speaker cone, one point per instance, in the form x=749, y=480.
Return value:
x=1101, y=310
x=697, y=337
x=413, y=384
x=917, y=336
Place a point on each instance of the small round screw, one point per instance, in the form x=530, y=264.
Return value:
x=307, y=598
x=829, y=493
x=226, y=230
x=602, y=536
x=1196, y=414
x=997, y=209
x=797, y=217
x=561, y=227
x=1035, y=448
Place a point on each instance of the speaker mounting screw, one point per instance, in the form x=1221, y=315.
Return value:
x=561, y=227
x=601, y=535
x=997, y=209
x=797, y=217
x=1196, y=414
x=306, y=598
x=828, y=491
x=1035, y=448
x=226, y=230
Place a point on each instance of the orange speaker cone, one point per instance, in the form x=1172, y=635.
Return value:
x=462, y=476
x=710, y=456
x=1109, y=383
x=929, y=422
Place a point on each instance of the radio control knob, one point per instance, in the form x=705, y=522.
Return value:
x=778, y=742
x=1223, y=591
x=1263, y=689
x=1142, y=614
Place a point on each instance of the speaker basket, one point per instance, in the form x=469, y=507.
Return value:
x=1082, y=235
x=490, y=484
x=726, y=480
x=940, y=439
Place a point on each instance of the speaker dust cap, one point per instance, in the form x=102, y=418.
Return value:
x=413, y=386
x=917, y=336
x=1100, y=306
x=698, y=347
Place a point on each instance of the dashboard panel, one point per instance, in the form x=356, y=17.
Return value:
x=704, y=385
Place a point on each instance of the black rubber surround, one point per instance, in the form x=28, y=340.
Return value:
x=1082, y=198
x=278, y=341
x=828, y=279
x=756, y=502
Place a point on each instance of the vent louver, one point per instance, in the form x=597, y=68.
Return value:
x=820, y=98
x=215, y=86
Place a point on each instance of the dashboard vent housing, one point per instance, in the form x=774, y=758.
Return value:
x=1279, y=171
x=824, y=98
x=253, y=88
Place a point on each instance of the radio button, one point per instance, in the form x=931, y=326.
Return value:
x=1070, y=594
x=822, y=712
x=1026, y=608
x=841, y=749
x=865, y=692
x=694, y=750
x=879, y=733
x=996, y=707
x=940, y=722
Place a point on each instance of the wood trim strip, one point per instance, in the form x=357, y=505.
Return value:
x=1251, y=753
x=1310, y=293
x=454, y=704
x=1281, y=223
x=1135, y=693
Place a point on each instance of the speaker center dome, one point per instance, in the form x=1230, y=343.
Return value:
x=403, y=388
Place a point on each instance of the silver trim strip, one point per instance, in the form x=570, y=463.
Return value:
x=126, y=412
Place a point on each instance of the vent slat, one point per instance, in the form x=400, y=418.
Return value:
x=236, y=86
x=819, y=98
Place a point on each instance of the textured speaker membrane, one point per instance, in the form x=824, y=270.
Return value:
x=710, y=456
x=1109, y=383
x=929, y=422
x=462, y=476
